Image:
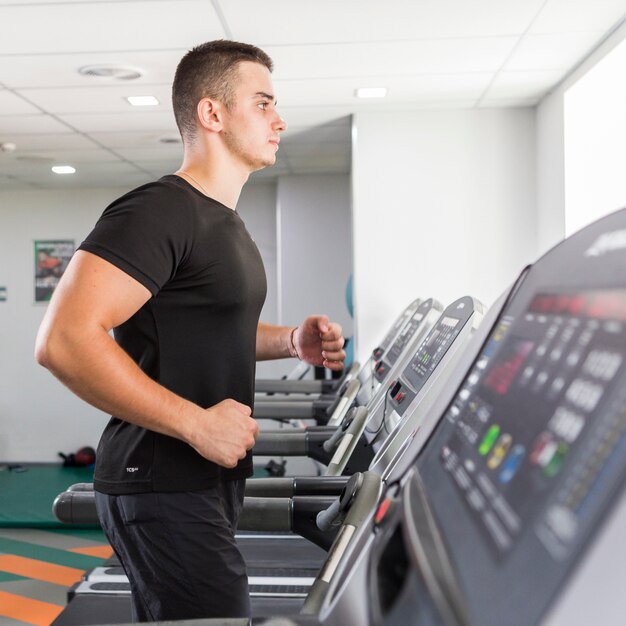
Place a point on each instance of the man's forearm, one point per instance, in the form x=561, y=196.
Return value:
x=274, y=342
x=95, y=368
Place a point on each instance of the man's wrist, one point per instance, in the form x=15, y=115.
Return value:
x=293, y=352
x=190, y=418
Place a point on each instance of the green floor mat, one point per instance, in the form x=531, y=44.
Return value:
x=27, y=493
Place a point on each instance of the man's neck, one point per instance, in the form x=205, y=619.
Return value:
x=215, y=176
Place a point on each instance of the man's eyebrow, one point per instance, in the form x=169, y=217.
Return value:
x=269, y=96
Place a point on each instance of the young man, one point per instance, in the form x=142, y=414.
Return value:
x=171, y=268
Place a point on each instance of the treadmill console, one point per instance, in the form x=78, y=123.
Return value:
x=562, y=360
x=430, y=353
x=391, y=356
x=406, y=315
x=529, y=459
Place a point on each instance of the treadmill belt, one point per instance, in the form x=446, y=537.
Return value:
x=294, y=553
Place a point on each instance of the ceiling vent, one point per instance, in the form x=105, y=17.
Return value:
x=170, y=140
x=112, y=72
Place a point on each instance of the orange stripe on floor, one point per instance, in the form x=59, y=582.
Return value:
x=28, y=610
x=103, y=552
x=39, y=570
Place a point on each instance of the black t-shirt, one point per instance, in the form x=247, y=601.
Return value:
x=196, y=336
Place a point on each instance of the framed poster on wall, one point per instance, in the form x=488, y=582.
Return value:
x=51, y=259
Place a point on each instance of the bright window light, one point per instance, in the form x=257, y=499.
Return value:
x=595, y=136
x=371, y=92
x=142, y=101
x=63, y=169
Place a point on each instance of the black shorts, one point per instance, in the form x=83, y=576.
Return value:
x=179, y=551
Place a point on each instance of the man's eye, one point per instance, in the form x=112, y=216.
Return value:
x=262, y=105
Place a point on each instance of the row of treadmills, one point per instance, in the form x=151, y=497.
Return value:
x=476, y=466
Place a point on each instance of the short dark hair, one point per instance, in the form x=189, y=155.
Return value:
x=209, y=71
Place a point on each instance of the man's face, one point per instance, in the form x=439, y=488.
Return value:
x=252, y=126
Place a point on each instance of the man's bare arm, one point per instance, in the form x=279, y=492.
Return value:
x=74, y=343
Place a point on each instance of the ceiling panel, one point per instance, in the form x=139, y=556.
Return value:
x=32, y=165
x=105, y=169
x=504, y=103
x=155, y=153
x=61, y=70
x=10, y=104
x=94, y=179
x=552, y=52
x=11, y=184
x=157, y=121
x=430, y=54
x=400, y=89
x=69, y=157
x=107, y=99
x=131, y=139
x=136, y=26
x=561, y=16
x=60, y=141
x=11, y=126
x=36, y=2
x=522, y=84
x=391, y=58
x=329, y=21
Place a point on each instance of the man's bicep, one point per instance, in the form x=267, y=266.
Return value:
x=93, y=290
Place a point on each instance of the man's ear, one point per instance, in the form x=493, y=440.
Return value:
x=210, y=114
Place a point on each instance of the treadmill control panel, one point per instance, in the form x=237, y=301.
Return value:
x=406, y=315
x=382, y=367
x=539, y=426
x=429, y=354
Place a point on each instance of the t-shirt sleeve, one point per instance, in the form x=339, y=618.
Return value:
x=146, y=233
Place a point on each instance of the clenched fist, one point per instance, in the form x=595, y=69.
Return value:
x=224, y=433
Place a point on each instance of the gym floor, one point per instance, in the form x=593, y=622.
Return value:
x=37, y=566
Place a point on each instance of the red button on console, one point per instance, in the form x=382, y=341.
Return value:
x=382, y=510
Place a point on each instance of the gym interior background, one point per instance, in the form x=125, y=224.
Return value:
x=499, y=135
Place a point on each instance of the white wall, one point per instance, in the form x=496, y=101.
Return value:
x=257, y=208
x=550, y=173
x=551, y=148
x=595, y=136
x=314, y=248
x=38, y=416
x=443, y=206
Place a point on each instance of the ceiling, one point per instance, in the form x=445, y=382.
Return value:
x=427, y=53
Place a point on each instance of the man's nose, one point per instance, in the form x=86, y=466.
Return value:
x=280, y=125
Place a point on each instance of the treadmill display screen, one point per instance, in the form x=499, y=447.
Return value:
x=403, y=338
x=400, y=322
x=539, y=426
x=432, y=350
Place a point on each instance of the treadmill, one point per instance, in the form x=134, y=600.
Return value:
x=515, y=511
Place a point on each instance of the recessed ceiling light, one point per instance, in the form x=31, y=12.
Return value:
x=113, y=72
x=142, y=101
x=371, y=92
x=63, y=169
